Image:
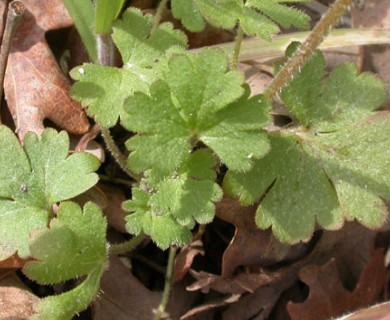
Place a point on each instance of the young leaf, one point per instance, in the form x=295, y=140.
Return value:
x=32, y=179
x=162, y=228
x=73, y=246
x=332, y=169
x=103, y=89
x=227, y=13
x=200, y=101
x=172, y=206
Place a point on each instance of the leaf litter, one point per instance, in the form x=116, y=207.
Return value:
x=255, y=271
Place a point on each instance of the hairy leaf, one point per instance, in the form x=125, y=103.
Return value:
x=333, y=168
x=73, y=246
x=167, y=210
x=199, y=101
x=103, y=89
x=227, y=13
x=32, y=179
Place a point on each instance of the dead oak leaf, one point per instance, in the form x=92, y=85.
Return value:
x=328, y=297
x=251, y=246
x=35, y=87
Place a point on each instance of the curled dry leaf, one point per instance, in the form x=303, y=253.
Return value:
x=13, y=262
x=16, y=302
x=185, y=259
x=34, y=85
x=329, y=298
x=251, y=246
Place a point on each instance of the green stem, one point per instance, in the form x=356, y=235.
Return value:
x=168, y=283
x=126, y=246
x=16, y=10
x=159, y=13
x=117, y=154
x=237, y=48
x=306, y=49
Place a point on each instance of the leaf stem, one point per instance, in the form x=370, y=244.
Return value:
x=159, y=13
x=16, y=11
x=105, y=49
x=117, y=154
x=168, y=283
x=237, y=48
x=126, y=246
x=306, y=49
x=105, y=58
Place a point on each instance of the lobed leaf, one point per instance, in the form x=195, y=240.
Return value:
x=73, y=246
x=200, y=101
x=167, y=210
x=102, y=89
x=227, y=13
x=32, y=179
x=333, y=168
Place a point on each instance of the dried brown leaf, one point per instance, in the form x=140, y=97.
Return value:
x=185, y=259
x=251, y=246
x=329, y=298
x=16, y=302
x=35, y=87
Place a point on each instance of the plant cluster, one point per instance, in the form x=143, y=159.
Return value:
x=191, y=115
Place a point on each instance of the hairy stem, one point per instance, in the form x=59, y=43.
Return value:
x=237, y=48
x=105, y=53
x=168, y=283
x=15, y=13
x=117, y=154
x=126, y=246
x=159, y=13
x=306, y=49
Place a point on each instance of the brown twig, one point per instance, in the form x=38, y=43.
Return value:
x=15, y=13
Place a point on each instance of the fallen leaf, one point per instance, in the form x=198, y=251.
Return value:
x=35, y=87
x=377, y=312
x=16, y=301
x=114, y=213
x=13, y=262
x=251, y=246
x=124, y=297
x=329, y=298
x=185, y=258
x=210, y=305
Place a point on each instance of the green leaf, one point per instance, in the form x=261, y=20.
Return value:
x=345, y=99
x=162, y=228
x=277, y=10
x=200, y=101
x=227, y=13
x=73, y=246
x=66, y=305
x=83, y=15
x=106, y=12
x=168, y=209
x=102, y=89
x=333, y=168
x=32, y=179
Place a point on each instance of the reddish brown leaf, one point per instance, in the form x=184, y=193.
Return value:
x=125, y=297
x=16, y=302
x=251, y=246
x=35, y=87
x=13, y=262
x=114, y=212
x=328, y=297
x=185, y=258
